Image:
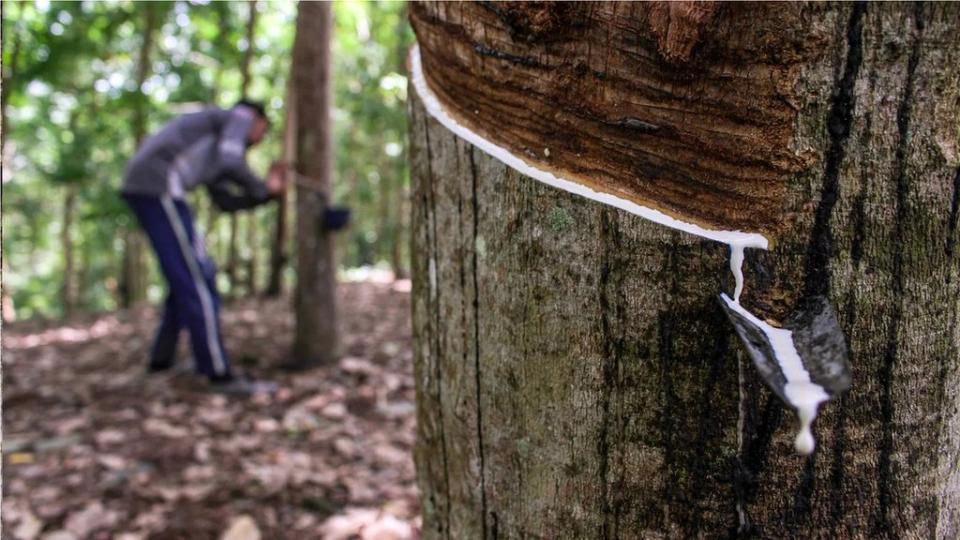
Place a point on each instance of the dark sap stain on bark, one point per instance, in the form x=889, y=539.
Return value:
x=763, y=416
x=820, y=248
x=799, y=517
x=837, y=469
x=689, y=109
x=709, y=418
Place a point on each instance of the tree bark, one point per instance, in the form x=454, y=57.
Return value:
x=134, y=274
x=278, y=252
x=576, y=375
x=69, y=290
x=315, y=340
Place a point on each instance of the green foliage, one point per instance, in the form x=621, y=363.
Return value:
x=370, y=87
x=70, y=72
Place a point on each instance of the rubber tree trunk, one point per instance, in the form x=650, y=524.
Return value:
x=576, y=375
x=315, y=340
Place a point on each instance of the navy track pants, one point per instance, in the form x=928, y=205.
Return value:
x=192, y=301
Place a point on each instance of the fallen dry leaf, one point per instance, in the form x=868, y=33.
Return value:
x=29, y=527
x=242, y=528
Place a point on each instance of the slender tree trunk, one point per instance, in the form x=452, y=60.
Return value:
x=69, y=289
x=397, y=235
x=278, y=253
x=252, y=236
x=385, y=215
x=576, y=375
x=213, y=239
x=135, y=272
x=315, y=340
x=401, y=192
x=234, y=260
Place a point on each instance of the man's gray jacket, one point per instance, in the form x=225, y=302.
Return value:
x=206, y=147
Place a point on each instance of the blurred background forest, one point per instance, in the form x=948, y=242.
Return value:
x=84, y=81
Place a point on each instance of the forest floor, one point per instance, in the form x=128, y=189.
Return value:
x=93, y=447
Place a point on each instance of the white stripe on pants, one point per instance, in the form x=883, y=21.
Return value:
x=206, y=300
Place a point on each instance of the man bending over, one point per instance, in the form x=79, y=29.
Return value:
x=205, y=148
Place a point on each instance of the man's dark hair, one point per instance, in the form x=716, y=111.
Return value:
x=255, y=105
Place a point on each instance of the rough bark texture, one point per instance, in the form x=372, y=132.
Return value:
x=576, y=375
x=316, y=333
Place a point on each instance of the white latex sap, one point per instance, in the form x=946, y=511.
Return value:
x=801, y=393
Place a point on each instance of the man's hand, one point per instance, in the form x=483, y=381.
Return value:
x=277, y=178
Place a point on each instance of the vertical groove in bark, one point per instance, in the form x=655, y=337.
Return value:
x=476, y=340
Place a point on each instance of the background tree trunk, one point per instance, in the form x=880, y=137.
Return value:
x=134, y=275
x=214, y=238
x=252, y=230
x=401, y=193
x=234, y=259
x=70, y=289
x=315, y=340
x=278, y=250
x=397, y=239
x=577, y=377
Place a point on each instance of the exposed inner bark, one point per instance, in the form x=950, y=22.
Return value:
x=688, y=109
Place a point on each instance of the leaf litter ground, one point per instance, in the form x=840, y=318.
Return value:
x=95, y=448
